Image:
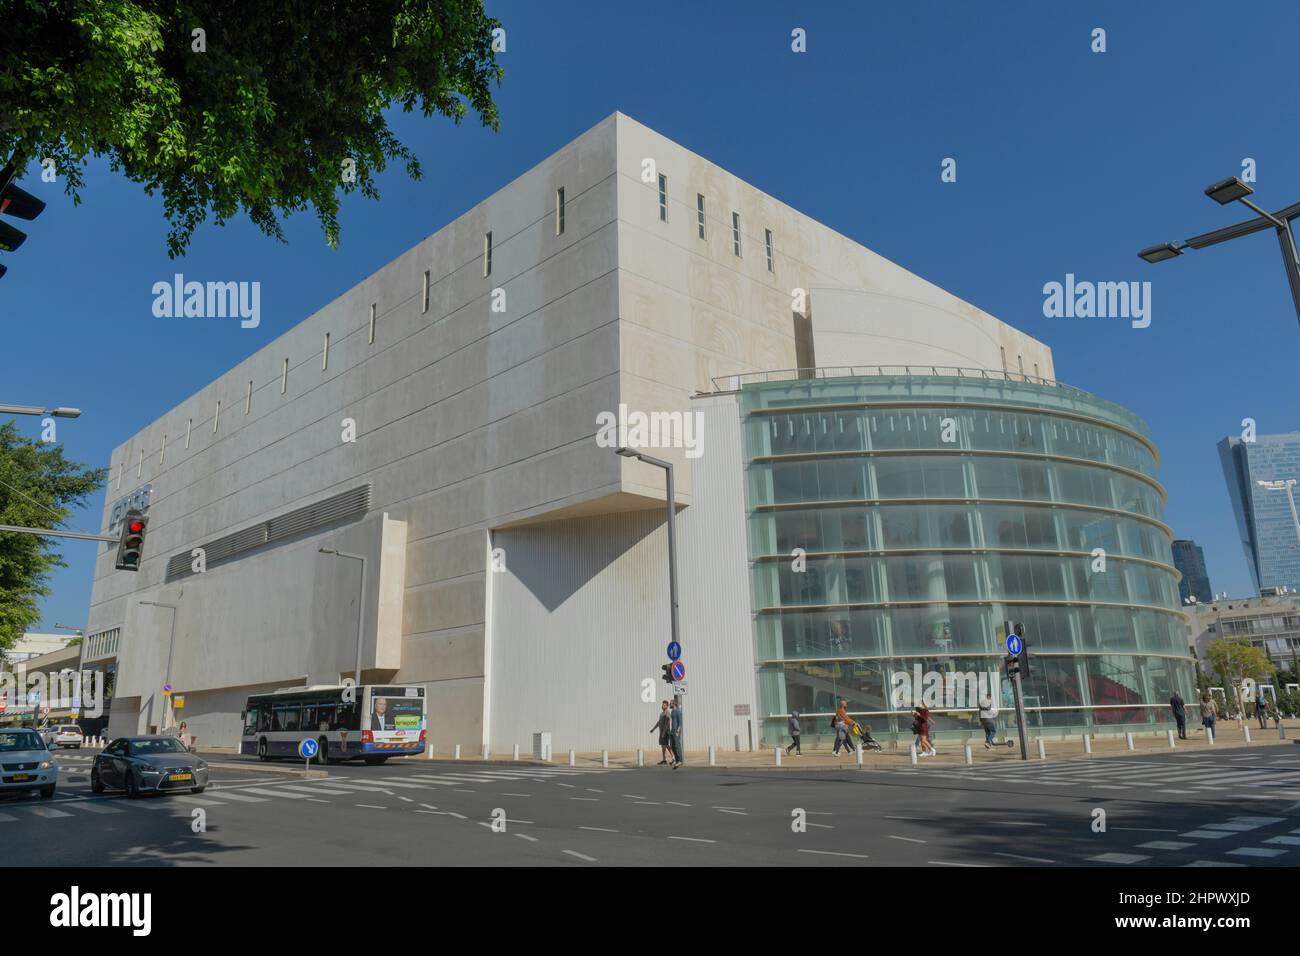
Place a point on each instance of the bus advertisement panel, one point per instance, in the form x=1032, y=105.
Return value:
x=396, y=720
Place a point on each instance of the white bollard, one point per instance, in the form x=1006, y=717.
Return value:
x=1281, y=731
x=485, y=751
x=573, y=759
x=737, y=743
x=640, y=757
x=457, y=754
x=1209, y=735
x=860, y=749
x=713, y=756
x=777, y=750
x=428, y=752
x=1246, y=728
x=912, y=747
x=1171, y=739
x=1128, y=738
x=969, y=760
x=515, y=753
x=604, y=758
x=1087, y=744
x=1042, y=750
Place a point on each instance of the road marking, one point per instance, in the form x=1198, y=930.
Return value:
x=199, y=801
x=739, y=813
x=1124, y=858
x=594, y=790
x=1284, y=840
x=50, y=813
x=369, y=806
x=1016, y=823
x=239, y=797
x=93, y=807
x=588, y=799
x=728, y=808
x=1164, y=845
x=407, y=799
x=571, y=787
x=516, y=794
x=581, y=856
x=906, y=839
x=633, y=796
x=1207, y=834
x=950, y=863
x=856, y=856
x=676, y=804
x=428, y=806
x=1143, y=830
x=599, y=829
x=692, y=839
x=316, y=790
x=525, y=836
x=1255, y=851
x=821, y=826
x=647, y=803
x=1031, y=859
x=275, y=793
x=464, y=791
x=1213, y=863
x=902, y=818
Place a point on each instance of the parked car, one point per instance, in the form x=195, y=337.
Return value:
x=67, y=735
x=152, y=764
x=26, y=763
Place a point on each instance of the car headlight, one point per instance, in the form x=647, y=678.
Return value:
x=47, y=764
x=200, y=766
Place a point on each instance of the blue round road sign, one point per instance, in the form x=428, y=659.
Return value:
x=678, y=671
x=307, y=749
x=1013, y=644
x=674, y=651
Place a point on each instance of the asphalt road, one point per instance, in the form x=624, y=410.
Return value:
x=1227, y=808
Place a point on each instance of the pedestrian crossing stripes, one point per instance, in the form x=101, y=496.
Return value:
x=1174, y=778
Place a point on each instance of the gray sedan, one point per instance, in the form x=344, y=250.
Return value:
x=26, y=763
x=141, y=765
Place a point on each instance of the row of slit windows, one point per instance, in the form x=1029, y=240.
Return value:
x=701, y=224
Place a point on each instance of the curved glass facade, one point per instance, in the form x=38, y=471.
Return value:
x=896, y=523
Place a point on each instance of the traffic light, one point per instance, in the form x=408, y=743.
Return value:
x=131, y=544
x=1013, y=665
x=668, y=676
x=15, y=202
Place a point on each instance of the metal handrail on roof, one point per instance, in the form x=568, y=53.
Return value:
x=729, y=383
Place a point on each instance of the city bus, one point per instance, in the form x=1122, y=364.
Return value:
x=371, y=723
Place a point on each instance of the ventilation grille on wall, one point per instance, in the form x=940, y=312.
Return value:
x=347, y=504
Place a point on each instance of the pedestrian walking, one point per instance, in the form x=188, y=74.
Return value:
x=921, y=727
x=988, y=716
x=840, y=727
x=1209, y=713
x=1261, y=709
x=663, y=727
x=1180, y=714
x=794, y=734
x=675, y=726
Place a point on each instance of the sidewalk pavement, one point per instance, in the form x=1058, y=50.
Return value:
x=950, y=746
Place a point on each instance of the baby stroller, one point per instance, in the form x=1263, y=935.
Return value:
x=863, y=733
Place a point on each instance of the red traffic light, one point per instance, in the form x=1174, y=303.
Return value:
x=137, y=527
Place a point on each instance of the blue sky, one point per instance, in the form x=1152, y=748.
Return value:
x=1068, y=161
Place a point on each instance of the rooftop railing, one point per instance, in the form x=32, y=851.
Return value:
x=730, y=383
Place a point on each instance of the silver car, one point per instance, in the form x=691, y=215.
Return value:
x=155, y=764
x=26, y=763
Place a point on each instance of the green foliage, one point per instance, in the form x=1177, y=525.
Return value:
x=38, y=488
x=1233, y=659
x=262, y=120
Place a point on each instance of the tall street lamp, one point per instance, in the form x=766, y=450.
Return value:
x=171, y=645
x=1234, y=190
x=40, y=410
x=672, y=552
x=361, y=609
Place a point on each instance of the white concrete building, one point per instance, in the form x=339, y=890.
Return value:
x=446, y=410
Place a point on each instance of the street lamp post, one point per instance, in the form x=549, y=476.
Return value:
x=361, y=610
x=171, y=645
x=672, y=555
x=60, y=412
x=1234, y=190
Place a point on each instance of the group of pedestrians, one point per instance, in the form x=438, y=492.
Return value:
x=849, y=734
x=1209, y=711
x=669, y=729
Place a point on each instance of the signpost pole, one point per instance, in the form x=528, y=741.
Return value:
x=1020, y=716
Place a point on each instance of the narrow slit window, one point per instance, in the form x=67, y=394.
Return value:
x=1003, y=350
x=139, y=467
x=216, y=417
x=487, y=254
x=372, y=324
x=735, y=233
x=284, y=377
x=767, y=240
x=699, y=213
x=325, y=354
x=189, y=427
x=162, y=452
x=424, y=293
x=663, y=198
x=248, y=398
x=559, y=211
x=121, y=467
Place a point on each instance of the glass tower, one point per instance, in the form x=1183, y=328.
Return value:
x=896, y=523
x=1189, y=559
x=1264, y=520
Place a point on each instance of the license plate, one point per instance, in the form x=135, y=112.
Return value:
x=20, y=777
x=181, y=776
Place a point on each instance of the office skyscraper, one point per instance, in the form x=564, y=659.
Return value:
x=1264, y=516
x=1189, y=559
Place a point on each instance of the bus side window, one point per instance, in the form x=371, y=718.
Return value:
x=349, y=717
x=327, y=716
x=264, y=719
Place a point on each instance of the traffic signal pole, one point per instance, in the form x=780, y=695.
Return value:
x=1020, y=714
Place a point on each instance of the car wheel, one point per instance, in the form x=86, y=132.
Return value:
x=262, y=752
x=132, y=786
x=47, y=792
x=96, y=784
x=198, y=789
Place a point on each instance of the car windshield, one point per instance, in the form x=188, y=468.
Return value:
x=160, y=745
x=20, y=740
